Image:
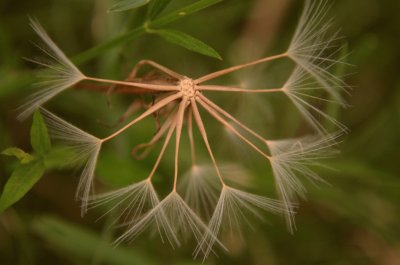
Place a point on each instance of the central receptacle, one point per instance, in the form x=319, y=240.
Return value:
x=188, y=87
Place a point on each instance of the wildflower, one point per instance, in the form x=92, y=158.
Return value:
x=176, y=217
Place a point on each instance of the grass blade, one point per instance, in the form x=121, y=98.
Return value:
x=186, y=41
x=125, y=5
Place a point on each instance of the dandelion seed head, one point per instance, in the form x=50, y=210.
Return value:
x=208, y=195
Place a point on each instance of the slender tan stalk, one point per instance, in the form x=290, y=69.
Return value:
x=179, y=124
x=172, y=126
x=226, y=114
x=157, y=66
x=230, y=127
x=167, y=124
x=190, y=134
x=151, y=110
x=135, y=84
x=238, y=67
x=237, y=89
x=203, y=132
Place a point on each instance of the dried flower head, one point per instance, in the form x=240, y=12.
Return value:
x=207, y=201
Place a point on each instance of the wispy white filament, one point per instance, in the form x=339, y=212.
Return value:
x=86, y=148
x=293, y=157
x=312, y=45
x=200, y=189
x=231, y=210
x=298, y=88
x=60, y=74
x=175, y=220
x=132, y=200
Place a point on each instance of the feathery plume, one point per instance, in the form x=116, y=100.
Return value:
x=132, y=200
x=297, y=88
x=200, y=189
x=230, y=210
x=174, y=218
x=85, y=146
x=60, y=74
x=293, y=157
x=312, y=47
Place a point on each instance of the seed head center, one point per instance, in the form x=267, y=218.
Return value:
x=188, y=87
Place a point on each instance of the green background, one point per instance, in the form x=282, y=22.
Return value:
x=354, y=220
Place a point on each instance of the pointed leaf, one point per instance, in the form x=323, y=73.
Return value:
x=156, y=7
x=187, y=41
x=40, y=140
x=21, y=181
x=127, y=4
x=85, y=244
x=59, y=157
x=134, y=33
x=20, y=154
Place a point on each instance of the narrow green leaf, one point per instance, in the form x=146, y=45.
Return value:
x=183, y=12
x=156, y=7
x=85, y=244
x=20, y=154
x=21, y=181
x=182, y=39
x=124, y=5
x=132, y=34
x=59, y=157
x=40, y=140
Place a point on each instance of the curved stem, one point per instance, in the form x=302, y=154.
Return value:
x=157, y=66
x=172, y=126
x=155, y=139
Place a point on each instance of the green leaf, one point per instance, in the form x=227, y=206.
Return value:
x=59, y=157
x=183, y=12
x=20, y=154
x=40, y=140
x=124, y=5
x=187, y=41
x=156, y=7
x=85, y=244
x=21, y=181
x=132, y=34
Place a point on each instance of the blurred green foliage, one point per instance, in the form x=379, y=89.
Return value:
x=354, y=220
